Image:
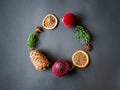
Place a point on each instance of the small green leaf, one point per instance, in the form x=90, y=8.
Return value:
x=31, y=41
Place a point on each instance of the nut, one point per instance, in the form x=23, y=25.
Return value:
x=38, y=29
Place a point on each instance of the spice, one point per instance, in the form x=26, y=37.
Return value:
x=38, y=29
x=87, y=47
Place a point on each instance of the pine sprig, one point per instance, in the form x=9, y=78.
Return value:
x=82, y=34
x=31, y=42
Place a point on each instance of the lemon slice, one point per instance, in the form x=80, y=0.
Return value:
x=50, y=22
x=80, y=59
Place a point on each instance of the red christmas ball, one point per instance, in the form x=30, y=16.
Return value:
x=60, y=68
x=69, y=20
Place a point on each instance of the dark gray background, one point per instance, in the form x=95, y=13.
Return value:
x=19, y=17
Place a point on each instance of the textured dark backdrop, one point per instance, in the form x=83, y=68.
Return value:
x=19, y=17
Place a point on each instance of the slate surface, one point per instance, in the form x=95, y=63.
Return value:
x=19, y=17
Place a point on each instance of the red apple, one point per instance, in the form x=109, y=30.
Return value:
x=60, y=68
x=69, y=19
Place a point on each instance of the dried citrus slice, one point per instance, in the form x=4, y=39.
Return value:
x=50, y=22
x=80, y=59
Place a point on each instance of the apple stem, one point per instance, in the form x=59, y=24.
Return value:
x=72, y=67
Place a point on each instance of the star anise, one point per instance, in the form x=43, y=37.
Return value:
x=87, y=47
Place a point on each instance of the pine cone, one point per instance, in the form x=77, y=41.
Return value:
x=39, y=60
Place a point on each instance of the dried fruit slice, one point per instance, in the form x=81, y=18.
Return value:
x=80, y=59
x=50, y=22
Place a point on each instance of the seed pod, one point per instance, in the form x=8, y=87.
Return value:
x=38, y=29
x=39, y=61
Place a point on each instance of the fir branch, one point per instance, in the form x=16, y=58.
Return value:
x=82, y=35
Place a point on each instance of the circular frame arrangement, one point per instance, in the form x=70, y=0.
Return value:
x=80, y=58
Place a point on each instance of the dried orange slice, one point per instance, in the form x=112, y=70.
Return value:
x=80, y=59
x=50, y=22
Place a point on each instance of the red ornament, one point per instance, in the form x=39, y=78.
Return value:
x=60, y=68
x=69, y=19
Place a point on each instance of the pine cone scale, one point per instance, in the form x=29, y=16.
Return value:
x=39, y=61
